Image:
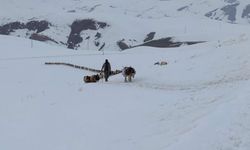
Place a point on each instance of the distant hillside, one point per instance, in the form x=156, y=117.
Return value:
x=114, y=24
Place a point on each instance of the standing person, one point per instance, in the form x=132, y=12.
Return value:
x=106, y=69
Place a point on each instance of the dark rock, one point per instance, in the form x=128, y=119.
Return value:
x=11, y=27
x=63, y=43
x=149, y=36
x=182, y=8
x=101, y=47
x=211, y=13
x=98, y=35
x=102, y=25
x=167, y=43
x=73, y=41
x=160, y=43
x=71, y=11
x=122, y=45
x=88, y=37
x=80, y=25
x=246, y=12
x=38, y=26
x=97, y=43
x=230, y=11
x=40, y=37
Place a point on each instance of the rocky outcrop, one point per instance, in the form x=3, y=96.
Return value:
x=37, y=26
x=80, y=25
x=11, y=27
x=228, y=11
x=122, y=45
x=231, y=11
x=149, y=37
x=43, y=38
x=183, y=8
x=160, y=43
x=168, y=43
x=246, y=12
x=87, y=34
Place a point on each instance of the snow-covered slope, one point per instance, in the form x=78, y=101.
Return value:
x=128, y=21
x=200, y=100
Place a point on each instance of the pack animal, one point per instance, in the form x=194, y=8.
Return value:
x=91, y=79
x=128, y=73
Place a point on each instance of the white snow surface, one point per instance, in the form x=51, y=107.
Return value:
x=199, y=101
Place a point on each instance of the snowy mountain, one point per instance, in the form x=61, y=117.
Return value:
x=113, y=25
x=198, y=101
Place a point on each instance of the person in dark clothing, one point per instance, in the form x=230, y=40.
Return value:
x=106, y=69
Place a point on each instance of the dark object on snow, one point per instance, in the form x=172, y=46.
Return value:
x=38, y=26
x=98, y=36
x=86, y=79
x=160, y=43
x=122, y=45
x=11, y=27
x=161, y=63
x=101, y=47
x=229, y=11
x=183, y=8
x=167, y=42
x=78, y=26
x=39, y=37
x=106, y=69
x=149, y=37
x=91, y=79
x=128, y=72
x=246, y=12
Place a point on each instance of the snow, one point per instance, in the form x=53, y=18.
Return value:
x=131, y=20
x=198, y=101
